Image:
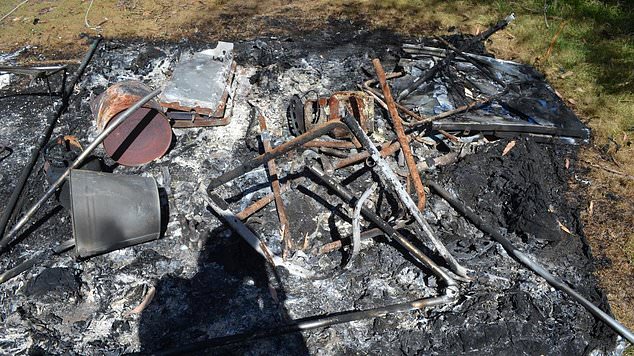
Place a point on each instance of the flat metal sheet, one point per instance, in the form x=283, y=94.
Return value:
x=199, y=81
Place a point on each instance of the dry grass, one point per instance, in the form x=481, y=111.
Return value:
x=591, y=65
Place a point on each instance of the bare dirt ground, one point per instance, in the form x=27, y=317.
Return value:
x=54, y=30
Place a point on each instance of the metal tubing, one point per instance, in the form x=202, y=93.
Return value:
x=43, y=141
x=356, y=224
x=400, y=134
x=37, y=258
x=390, y=232
x=78, y=161
x=390, y=179
x=275, y=187
x=218, y=205
x=532, y=265
x=274, y=153
x=313, y=323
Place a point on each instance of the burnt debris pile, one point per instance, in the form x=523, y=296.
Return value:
x=344, y=192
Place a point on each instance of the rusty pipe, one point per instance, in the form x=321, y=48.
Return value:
x=387, y=149
x=261, y=203
x=330, y=144
x=403, y=139
x=255, y=162
x=315, y=322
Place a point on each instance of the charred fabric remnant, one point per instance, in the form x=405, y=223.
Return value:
x=207, y=282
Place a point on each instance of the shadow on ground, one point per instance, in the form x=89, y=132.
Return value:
x=231, y=293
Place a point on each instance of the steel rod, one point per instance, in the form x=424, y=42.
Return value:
x=78, y=161
x=43, y=141
x=556, y=282
x=313, y=323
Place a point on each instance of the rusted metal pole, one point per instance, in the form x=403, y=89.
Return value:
x=330, y=144
x=275, y=152
x=387, y=149
x=260, y=203
x=400, y=134
x=275, y=187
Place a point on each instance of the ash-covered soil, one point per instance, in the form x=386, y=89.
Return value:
x=207, y=282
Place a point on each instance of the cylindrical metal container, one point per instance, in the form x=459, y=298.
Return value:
x=111, y=211
x=144, y=136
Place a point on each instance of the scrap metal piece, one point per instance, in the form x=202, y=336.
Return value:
x=318, y=111
x=220, y=207
x=295, y=116
x=193, y=118
x=356, y=224
x=111, y=211
x=403, y=139
x=37, y=72
x=144, y=136
x=389, y=178
x=200, y=84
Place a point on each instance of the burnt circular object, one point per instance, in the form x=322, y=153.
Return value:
x=143, y=137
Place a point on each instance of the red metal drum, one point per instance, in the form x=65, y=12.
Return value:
x=144, y=136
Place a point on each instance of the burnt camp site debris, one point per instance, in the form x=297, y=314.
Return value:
x=529, y=106
x=299, y=226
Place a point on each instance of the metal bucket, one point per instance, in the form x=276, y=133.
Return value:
x=144, y=136
x=111, y=211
